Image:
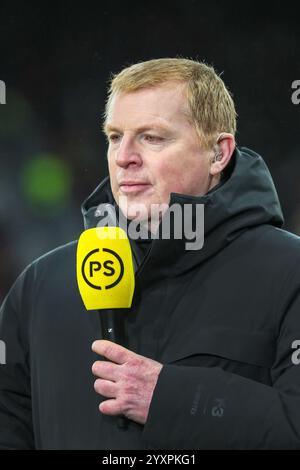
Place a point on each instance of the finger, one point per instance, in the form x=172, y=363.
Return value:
x=110, y=407
x=106, y=388
x=112, y=351
x=105, y=370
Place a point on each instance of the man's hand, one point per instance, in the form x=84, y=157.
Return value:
x=126, y=379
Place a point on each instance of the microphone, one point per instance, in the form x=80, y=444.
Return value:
x=105, y=277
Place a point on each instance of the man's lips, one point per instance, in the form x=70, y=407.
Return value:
x=133, y=186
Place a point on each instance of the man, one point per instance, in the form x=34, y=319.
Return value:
x=209, y=360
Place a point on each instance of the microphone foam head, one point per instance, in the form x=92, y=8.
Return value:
x=105, y=272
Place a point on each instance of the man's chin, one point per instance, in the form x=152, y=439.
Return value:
x=136, y=215
x=144, y=213
x=141, y=216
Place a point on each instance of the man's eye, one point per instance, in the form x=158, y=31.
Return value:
x=113, y=137
x=153, y=138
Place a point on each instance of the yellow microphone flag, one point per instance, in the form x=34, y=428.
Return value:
x=105, y=272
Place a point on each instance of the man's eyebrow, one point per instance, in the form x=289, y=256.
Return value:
x=109, y=128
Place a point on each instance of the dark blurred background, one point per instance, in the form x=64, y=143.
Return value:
x=56, y=59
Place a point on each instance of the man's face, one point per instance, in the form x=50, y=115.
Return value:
x=153, y=149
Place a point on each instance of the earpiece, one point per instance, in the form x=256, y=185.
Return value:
x=217, y=157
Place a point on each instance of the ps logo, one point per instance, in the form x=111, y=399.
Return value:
x=103, y=271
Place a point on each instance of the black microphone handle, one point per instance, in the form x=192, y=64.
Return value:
x=113, y=326
x=113, y=329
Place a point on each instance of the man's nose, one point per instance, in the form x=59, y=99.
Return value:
x=128, y=153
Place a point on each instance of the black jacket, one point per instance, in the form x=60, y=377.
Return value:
x=222, y=320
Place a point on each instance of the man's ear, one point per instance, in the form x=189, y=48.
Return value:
x=222, y=153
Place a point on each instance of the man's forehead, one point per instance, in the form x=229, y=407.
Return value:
x=155, y=106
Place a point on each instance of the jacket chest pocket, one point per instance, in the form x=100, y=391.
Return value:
x=218, y=345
